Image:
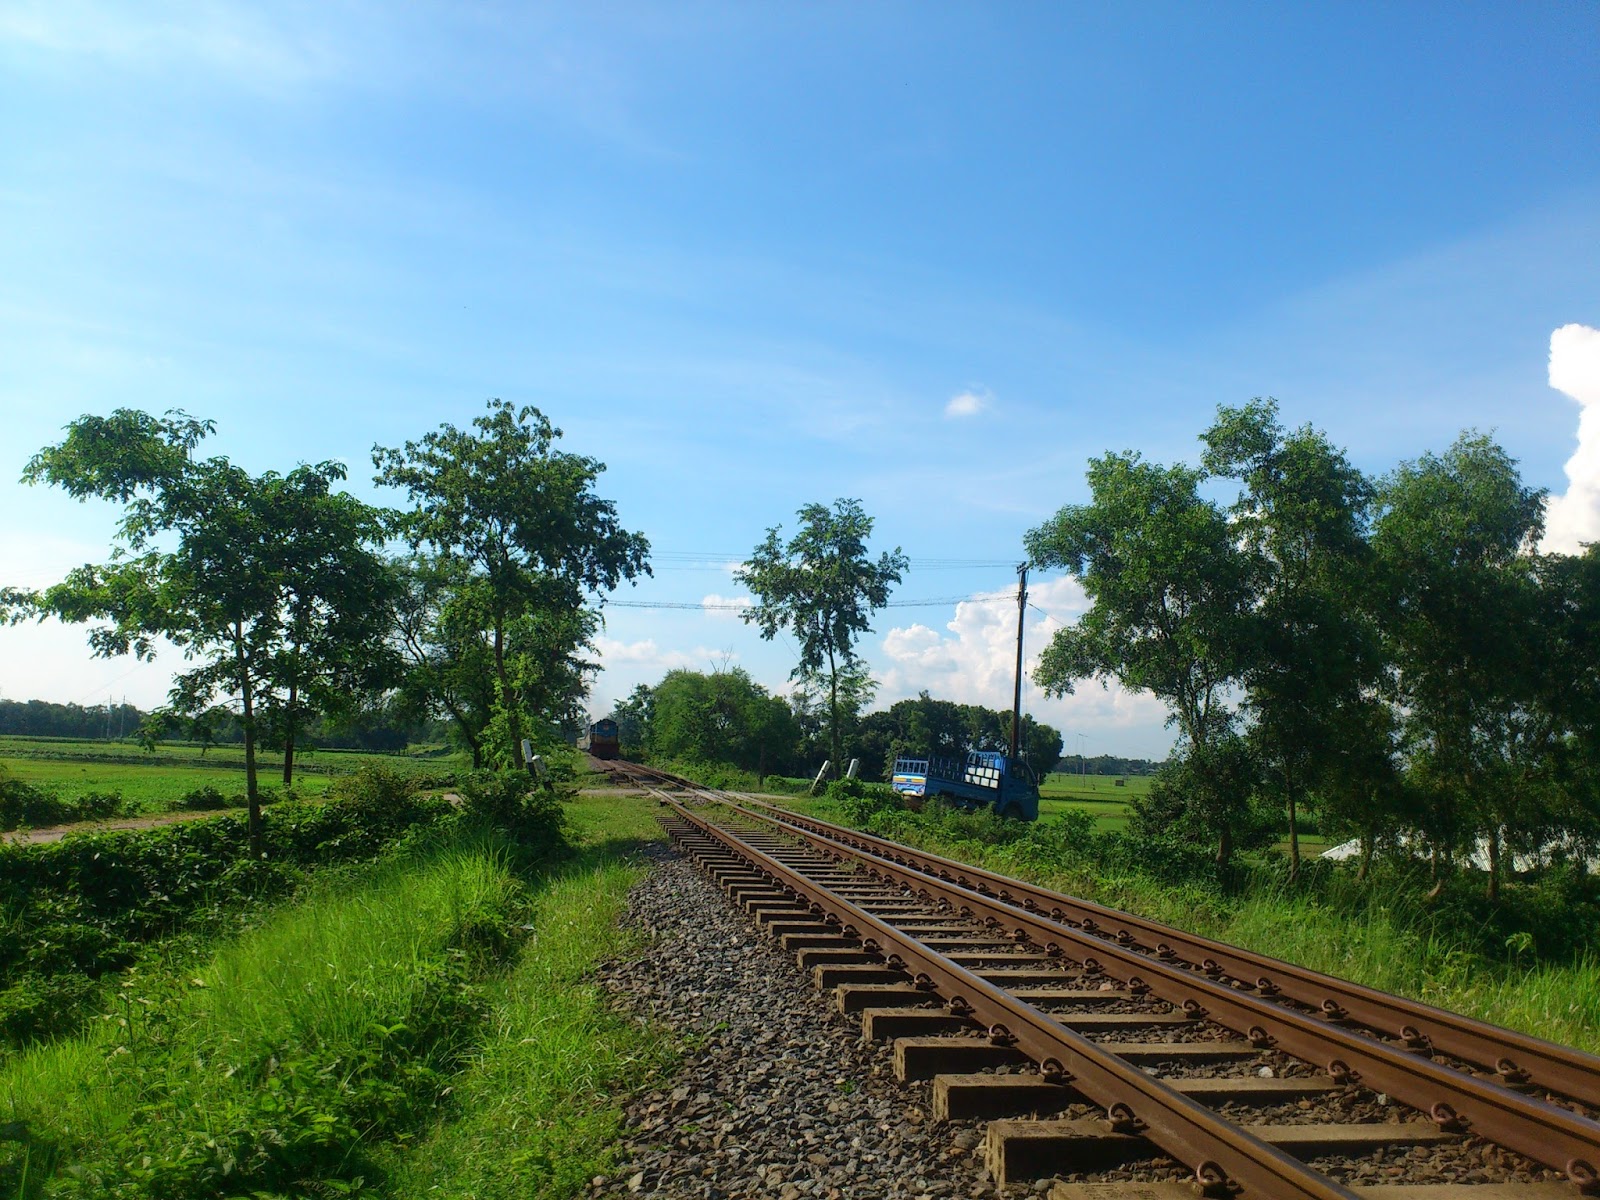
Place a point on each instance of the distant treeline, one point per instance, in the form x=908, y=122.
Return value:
x=376, y=732
x=41, y=718
x=1106, y=764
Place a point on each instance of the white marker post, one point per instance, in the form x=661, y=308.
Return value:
x=817, y=782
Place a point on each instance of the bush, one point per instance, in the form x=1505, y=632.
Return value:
x=860, y=802
x=516, y=804
x=87, y=905
x=23, y=804
x=207, y=799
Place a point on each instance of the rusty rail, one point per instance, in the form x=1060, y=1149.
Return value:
x=1517, y=1058
x=1223, y=1156
x=1456, y=1100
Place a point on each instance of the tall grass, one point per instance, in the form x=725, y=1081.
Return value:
x=1380, y=933
x=420, y=1026
x=538, y=1109
x=336, y=1021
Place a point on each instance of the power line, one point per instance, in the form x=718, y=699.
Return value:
x=934, y=602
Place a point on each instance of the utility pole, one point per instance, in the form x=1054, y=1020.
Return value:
x=1016, y=696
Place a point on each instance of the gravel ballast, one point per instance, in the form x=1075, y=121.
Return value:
x=776, y=1095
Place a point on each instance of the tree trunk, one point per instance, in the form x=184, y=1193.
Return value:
x=1367, y=843
x=1294, y=838
x=835, y=742
x=247, y=698
x=1494, y=864
x=289, y=731
x=1225, y=846
x=507, y=699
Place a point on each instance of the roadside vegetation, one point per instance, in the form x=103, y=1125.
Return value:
x=376, y=1030
x=1527, y=961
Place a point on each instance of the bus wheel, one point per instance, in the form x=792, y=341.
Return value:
x=1012, y=811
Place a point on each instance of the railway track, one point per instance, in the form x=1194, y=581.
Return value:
x=1220, y=1071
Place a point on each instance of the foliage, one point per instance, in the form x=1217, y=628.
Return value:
x=721, y=717
x=1313, y=653
x=250, y=577
x=277, y=1065
x=823, y=587
x=531, y=540
x=1170, y=591
x=1475, y=642
x=84, y=907
x=516, y=805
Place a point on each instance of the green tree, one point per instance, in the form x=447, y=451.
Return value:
x=1462, y=625
x=440, y=635
x=337, y=594
x=822, y=586
x=635, y=717
x=1302, y=516
x=1170, y=591
x=525, y=520
x=721, y=717
x=202, y=560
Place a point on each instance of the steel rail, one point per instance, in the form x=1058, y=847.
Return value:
x=1455, y=1100
x=1517, y=1058
x=1220, y=1153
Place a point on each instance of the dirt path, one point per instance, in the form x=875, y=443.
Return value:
x=54, y=833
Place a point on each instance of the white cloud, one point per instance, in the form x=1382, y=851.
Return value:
x=1574, y=518
x=717, y=607
x=974, y=663
x=968, y=403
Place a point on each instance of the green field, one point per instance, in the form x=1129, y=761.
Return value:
x=154, y=781
x=1098, y=795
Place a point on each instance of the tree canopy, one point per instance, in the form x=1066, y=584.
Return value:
x=823, y=586
x=532, y=536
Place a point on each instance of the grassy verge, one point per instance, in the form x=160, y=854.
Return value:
x=81, y=780
x=538, y=1111
x=418, y=1025
x=1455, y=954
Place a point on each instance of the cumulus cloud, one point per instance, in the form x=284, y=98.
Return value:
x=968, y=403
x=648, y=654
x=1574, y=518
x=973, y=661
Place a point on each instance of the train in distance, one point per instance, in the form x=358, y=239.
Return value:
x=600, y=739
x=982, y=779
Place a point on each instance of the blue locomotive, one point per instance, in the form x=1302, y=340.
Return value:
x=601, y=739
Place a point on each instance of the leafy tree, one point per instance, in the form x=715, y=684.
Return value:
x=721, y=717
x=1170, y=591
x=527, y=524
x=337, y=596
x=635, y=718
x=1313, y=648
x=440, y=635
x=1462, y=625
x=822, y=586
x=203, y=560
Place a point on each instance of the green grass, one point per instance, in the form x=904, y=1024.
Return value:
x=278, y=1041
x=381, y=1028
x=147, y=789
x=1376, y=938
x=154, y=781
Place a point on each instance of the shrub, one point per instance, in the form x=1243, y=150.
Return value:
x=516, y=804
x=207, y=799
x=87, y=905
x=23, y=804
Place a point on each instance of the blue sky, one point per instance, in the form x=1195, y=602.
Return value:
x=749, y=255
